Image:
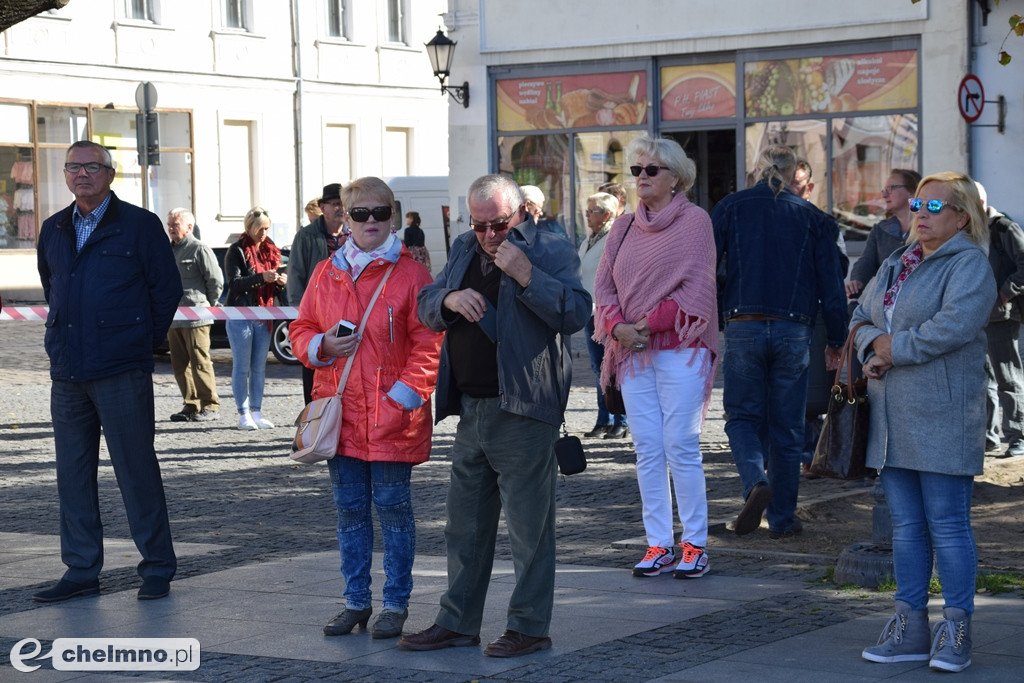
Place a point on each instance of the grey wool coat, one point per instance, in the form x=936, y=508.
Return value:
x=928, y=410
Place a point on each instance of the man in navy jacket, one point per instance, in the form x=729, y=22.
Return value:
x=112, y=285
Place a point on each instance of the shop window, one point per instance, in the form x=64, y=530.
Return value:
x=544, y=161
x=396, y=152
x=15, y=123
x=600, y=158
x=61, y=125
x=337, y=154
x=396, y=21
x=17, y=198
x=237, y=142
x=865, y=149
x=53, y=187
x=808, y=138
x=170, y=183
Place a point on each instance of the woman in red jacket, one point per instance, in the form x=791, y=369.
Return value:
x=386, y=426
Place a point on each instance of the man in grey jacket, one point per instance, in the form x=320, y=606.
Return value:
x=189, y=340
x=508, y=299
x=312, y=244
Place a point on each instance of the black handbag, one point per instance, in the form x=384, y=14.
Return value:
x=843, y=445
x=569, y=453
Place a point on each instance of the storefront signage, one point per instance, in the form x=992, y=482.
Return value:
x=585, y=101
x=706, y=91
x=811, y=85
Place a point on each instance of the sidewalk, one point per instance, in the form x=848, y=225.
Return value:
x=258, y=564
x=263, y=622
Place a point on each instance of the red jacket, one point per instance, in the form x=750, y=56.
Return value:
x=395, y=346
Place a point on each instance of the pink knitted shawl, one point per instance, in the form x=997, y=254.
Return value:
x=667, y=255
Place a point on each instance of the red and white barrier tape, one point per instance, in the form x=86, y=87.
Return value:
x=183, y=313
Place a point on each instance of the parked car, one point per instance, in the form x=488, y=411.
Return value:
x=280, y=344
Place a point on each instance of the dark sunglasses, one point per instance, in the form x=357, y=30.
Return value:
x=361, y=214
x=496, y=227
x=651, y=169
x=933, y=205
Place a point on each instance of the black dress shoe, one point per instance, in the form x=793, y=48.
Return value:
x=515, y=644
x=598, y=431
x=343, y=624
x=154, y=588
x=436, y=638
x=794, y=530
x=750, y=516
x=618, y=432
x=65, y=590
x=183, y=415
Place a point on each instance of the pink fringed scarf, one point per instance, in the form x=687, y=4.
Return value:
x=668, y=255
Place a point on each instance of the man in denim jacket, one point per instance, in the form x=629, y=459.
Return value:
x=508, y=299
x=779, y=257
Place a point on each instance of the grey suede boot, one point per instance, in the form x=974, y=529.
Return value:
x=904, y=639
x=951, y=641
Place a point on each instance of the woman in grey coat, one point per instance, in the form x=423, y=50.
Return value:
x=923, y=350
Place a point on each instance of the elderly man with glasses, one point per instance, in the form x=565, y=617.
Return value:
x=112, y=285
x=508, y=299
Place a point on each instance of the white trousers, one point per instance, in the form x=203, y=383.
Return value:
x=664, y=404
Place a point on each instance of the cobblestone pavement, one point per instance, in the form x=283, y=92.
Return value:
x=238, y=489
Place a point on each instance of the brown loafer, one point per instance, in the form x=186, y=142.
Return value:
x=750, y=516
x=436, y=638
x=515, y=644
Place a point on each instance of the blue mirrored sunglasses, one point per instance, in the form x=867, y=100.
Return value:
x=933, y=205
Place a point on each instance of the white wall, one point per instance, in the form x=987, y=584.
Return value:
x=998, y=159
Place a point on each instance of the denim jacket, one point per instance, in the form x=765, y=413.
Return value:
x=779, y=258
x=533, y=324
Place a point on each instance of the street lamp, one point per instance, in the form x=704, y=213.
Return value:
x=440, y=50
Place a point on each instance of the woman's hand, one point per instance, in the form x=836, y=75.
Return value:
x=882, y=346
x=339, y=347
x=854, y=287
x=269, y=275
x=631, y=337
x=875, y=368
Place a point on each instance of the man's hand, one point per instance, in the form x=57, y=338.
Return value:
x=833, y=357
x=854, y=287
x=514, y=263
x=468, y=303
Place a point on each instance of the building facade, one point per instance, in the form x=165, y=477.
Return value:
x=857, y=89
x=260, y=102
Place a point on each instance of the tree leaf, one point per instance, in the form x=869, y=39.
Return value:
x=1004, y=58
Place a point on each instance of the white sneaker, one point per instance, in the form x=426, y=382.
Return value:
x=261, y=422
x=245, y=421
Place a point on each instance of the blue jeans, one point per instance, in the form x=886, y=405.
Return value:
x=123, y=405
x=355, y=483
x=765, y=370
x=250, y=343
x=931, y=512
x=596, y=352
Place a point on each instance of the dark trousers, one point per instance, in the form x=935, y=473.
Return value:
x=123, y=406
x=307, y=384
x=500, y=461
x=1005, y=397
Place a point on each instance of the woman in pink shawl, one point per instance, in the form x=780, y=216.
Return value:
x=657, y=316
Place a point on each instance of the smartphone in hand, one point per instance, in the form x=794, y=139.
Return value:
x=344, y=329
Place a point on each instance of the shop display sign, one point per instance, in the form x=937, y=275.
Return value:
x=705, y=91
x=584, y=101
x=846, y=83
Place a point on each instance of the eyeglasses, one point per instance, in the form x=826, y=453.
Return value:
x=361, y=214
x=889, y=189
x=651, y=170
x=258, y=212
x=91, y=167
x=595, y=211
x=495, y=227
x=933, y=205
